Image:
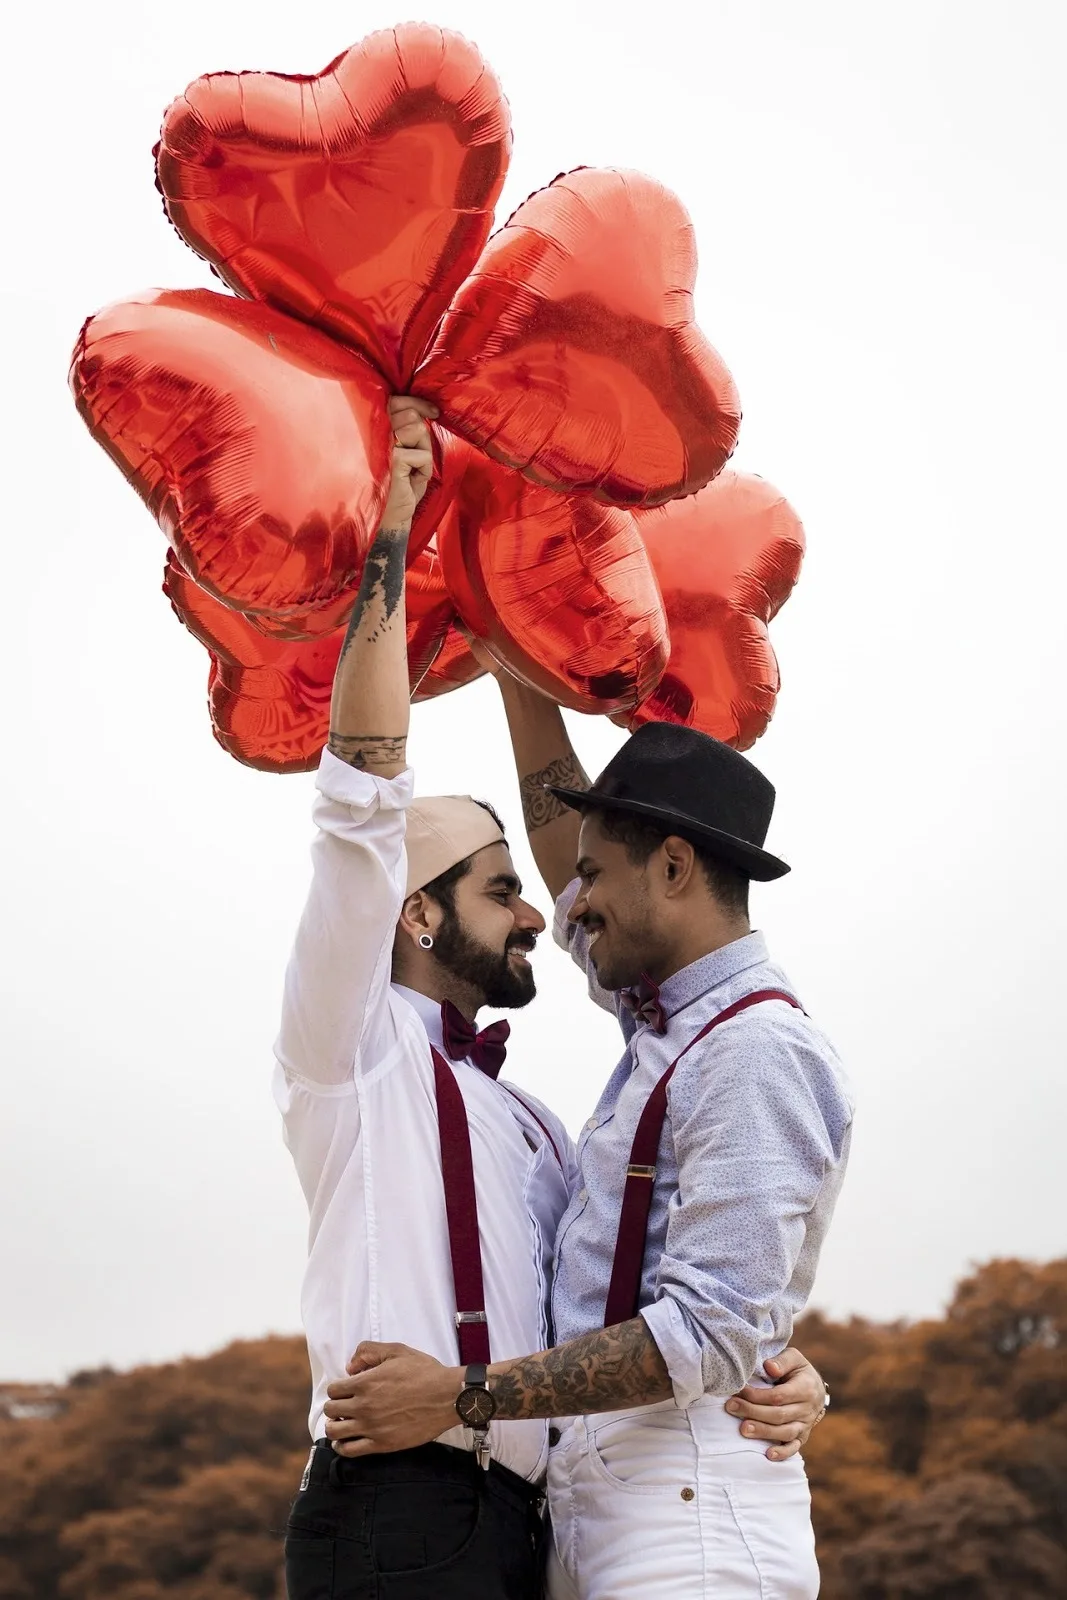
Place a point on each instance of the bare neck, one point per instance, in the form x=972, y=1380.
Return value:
x=700, y=938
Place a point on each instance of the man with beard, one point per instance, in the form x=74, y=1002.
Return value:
x=435, y=1191
x=708, y=1174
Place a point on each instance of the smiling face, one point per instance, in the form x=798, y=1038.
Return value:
x=622, y=907
x=483, y=939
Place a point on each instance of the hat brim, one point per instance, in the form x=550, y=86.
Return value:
x=747, y=858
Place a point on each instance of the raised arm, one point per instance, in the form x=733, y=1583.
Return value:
x=338, y=975
x=543, y=754
x=370, y=710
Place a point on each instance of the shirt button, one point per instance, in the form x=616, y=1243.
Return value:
x=554, y=1436
x=591, y=1124
x=583, y=1195
x=688, y=1494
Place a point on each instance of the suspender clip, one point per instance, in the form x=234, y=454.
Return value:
x=470, y=1316
x=633, y=1171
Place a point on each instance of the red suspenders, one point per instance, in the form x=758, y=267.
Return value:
x=625, y=1286
x=461, y=1208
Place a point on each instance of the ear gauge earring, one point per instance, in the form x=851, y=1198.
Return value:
x=426, y=941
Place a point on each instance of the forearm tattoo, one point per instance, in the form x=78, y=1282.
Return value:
x=382, y=585
x=365, y=750
x=609, y=1370
x=383, y=579
x=538, y=806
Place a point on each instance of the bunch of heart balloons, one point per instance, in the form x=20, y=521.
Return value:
x=579, y=522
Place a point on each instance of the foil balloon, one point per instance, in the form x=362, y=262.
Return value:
x=558, y=588
x=439, y=657
x=261, y=446
x=358, y=199
x=351, y=213
x=269, y=697
x=571, y=353
x=726, y=561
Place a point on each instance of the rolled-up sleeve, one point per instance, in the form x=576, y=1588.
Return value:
x=337, y=980
x=757, y=1139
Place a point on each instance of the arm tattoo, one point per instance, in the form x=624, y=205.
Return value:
x=609, y=1370
x=383, y=578
x=382, y=584
x=538, y=806
x=365, y=750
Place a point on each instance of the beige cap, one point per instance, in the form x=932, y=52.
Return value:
x=443, y=830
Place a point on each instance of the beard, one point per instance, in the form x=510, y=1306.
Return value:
x=488, y=971
x=625, y=951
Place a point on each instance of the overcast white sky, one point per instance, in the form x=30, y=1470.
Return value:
x=878, y=196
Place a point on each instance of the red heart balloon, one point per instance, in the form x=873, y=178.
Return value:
x=451, y=456
x=439, y=658
x=726, y=560
x=261, y=446
x=359, y=199
x=571, y=353
x=559, y=588
x=269, y=698
x=452, y=668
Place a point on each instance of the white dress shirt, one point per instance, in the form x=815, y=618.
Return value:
x=355, y=1086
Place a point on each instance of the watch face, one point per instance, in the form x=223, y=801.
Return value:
x=476, y=1407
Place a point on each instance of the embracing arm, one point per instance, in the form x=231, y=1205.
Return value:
x=395, y=1397
x=610, y=1369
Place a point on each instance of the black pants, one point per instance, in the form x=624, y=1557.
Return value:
x=426, y=1524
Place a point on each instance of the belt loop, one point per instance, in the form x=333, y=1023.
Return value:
x=334, y=1472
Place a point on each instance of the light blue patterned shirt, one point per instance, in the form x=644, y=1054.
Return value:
x=750, y=1163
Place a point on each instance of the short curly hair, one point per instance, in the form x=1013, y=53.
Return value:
x=640, y=837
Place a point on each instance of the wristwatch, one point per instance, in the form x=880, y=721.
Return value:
x=476, y=1408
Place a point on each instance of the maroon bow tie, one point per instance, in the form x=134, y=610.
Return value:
x=644, y=1004
x=462, y=1041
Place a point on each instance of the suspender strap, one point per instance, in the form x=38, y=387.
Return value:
x=625, y=1287
x=528, y=1107
x=461, y=1210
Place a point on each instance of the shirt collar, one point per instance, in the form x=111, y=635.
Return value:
x=429, y=1012
x=689, y=983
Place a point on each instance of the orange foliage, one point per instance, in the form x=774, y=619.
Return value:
x=940, y=1472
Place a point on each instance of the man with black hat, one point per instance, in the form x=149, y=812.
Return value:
x=708, y=1175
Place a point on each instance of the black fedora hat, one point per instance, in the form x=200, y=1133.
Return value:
x=699, y=788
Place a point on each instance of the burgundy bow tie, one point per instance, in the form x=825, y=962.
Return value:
x=644, y=1004
x=462, y=1041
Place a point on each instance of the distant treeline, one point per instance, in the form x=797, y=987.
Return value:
x=940, y=1472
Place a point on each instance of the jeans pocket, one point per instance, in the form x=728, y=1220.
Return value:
x=772, y=1511
x=424, y=1527
x=655, y=1455
x=309, y=1562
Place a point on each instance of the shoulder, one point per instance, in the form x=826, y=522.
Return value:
x=770, y=1057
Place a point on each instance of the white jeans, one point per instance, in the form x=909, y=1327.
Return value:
x=664, y=1502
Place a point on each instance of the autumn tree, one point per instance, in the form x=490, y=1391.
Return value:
x=940, y=1472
